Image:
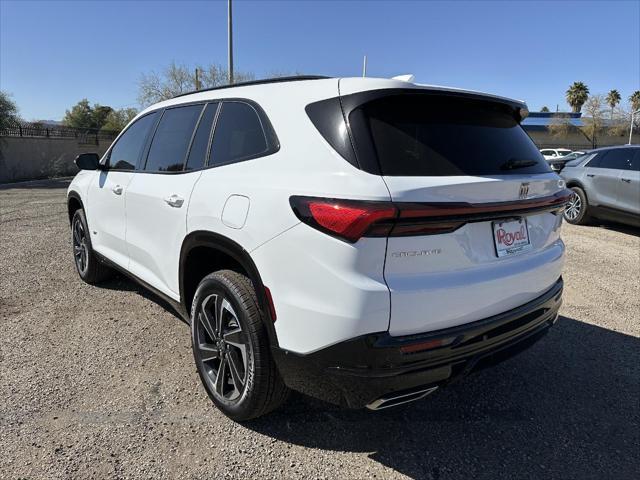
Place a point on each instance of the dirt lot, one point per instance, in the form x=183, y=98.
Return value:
x=100, y=382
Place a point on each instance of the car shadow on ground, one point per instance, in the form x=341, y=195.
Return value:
x=123, y=283
x=565, y=408
x=616, y=227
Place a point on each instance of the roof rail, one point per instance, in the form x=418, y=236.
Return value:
x=258, y=82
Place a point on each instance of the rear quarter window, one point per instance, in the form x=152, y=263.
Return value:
x=241, y=134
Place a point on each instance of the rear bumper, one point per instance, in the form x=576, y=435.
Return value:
x=358, y=371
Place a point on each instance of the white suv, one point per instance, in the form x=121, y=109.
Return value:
x=360, y=240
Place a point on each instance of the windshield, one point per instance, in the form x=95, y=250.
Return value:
x=443, y=135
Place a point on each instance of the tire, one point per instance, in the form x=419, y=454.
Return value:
x=90, y=269
x=576, y=212
x=231, y=348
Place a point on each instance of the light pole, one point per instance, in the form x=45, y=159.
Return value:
x=633, y=114
x=230, y=34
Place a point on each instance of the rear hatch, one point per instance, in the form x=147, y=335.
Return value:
x=478, y=226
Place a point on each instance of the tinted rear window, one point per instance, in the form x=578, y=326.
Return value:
x=432, y=135
x=238, y=135
x=172, y=138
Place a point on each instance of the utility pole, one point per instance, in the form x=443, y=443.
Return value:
x=364, y=67
x=197, y=80
x=230, y=33
x=633, y=114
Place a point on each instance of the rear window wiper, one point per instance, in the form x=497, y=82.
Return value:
x=514, y=163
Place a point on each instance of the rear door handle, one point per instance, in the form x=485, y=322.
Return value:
x=174, y=200
x=117, y=190
x=628, y=180
x=590, y=175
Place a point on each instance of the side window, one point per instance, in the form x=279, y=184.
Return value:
x=199, y=147
x=595, y=160
x=126, y=151
x=172, y=138
x=238, y=134
x=635, y=163
x=618, y=159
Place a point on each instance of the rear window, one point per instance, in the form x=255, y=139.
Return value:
x=171, y=140
x=238, y=135
x=433, y=135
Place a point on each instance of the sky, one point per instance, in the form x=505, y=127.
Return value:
x=55, y=53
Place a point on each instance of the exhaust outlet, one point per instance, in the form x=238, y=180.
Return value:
x=393, y=400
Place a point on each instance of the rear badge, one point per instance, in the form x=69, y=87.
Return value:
x=417, y=253
x=524, y=190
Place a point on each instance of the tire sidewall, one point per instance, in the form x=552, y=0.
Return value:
x=218, y=284
x=80, y=216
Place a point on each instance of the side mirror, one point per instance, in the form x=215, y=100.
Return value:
x=88, y=161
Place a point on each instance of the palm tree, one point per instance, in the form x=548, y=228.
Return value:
x=576, y=96
x=635, y=100
x=613, y=99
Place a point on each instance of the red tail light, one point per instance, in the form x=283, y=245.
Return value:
x=346, y=219
x=353, y=219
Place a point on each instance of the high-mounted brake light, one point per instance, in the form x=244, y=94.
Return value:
x=346, y=219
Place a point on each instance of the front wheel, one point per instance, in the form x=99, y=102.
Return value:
x=231, y=347
x=90, y=269
x=576, y=211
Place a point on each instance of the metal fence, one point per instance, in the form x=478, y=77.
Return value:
x=575, y=147
x=83, y=135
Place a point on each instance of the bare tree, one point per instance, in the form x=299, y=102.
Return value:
x=593, y=123
x=177, y=79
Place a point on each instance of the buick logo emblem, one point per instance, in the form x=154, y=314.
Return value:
x=524, y=190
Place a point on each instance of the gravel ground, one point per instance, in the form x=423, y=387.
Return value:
x=99, y=382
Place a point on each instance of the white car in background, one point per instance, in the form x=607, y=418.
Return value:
x=553, y=153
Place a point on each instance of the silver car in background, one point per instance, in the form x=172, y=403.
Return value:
x=605, y=184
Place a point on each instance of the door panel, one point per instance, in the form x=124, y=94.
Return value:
x=629, y=192
x=156, y=225
x=157, y=201
x=608, y=174
x=106, y=214
x=604, y=186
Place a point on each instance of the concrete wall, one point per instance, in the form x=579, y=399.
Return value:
x=29, y=158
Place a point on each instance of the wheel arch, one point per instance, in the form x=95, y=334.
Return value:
x=221, y=253
x=578, y=183
x=74, y=202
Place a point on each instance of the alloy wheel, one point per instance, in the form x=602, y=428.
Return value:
x=223, y=348
x=80, y=248
x=575, y=206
